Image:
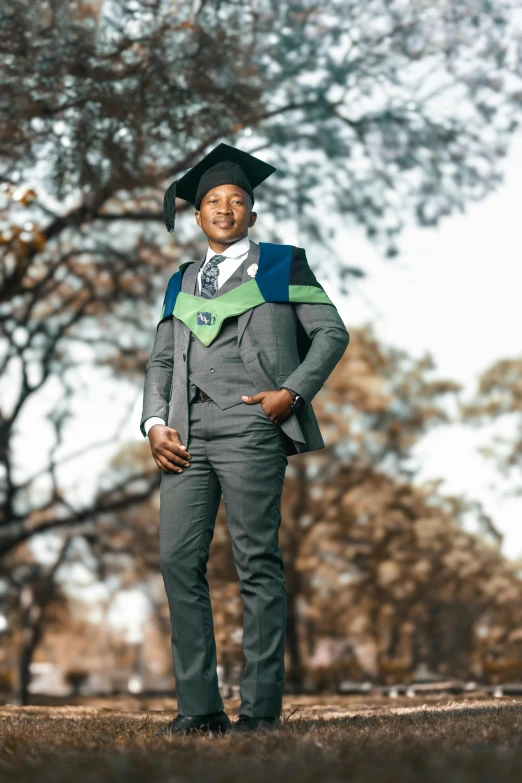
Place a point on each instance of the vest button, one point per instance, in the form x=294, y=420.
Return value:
x=212, y=369
x=184, y=357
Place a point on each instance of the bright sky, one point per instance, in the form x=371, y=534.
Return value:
x=455, y=292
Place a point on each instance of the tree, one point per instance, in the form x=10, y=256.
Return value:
x=376, y=565
x=31, y=601
x=499, y=394
x=372, y=113
x=373, y=110
x=390, y=572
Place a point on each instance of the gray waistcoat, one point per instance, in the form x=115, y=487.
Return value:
x=218, y=368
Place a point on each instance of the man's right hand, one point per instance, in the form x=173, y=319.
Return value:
x=170, y=455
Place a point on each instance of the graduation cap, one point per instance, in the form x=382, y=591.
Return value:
x=224, y=165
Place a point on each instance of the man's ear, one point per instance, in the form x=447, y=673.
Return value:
x=197, y=215
x=252, y=219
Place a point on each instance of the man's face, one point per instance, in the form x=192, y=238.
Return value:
x=225, y=214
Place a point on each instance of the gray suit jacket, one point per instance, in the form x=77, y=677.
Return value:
x=268, y=345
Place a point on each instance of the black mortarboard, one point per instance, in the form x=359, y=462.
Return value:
x=224, y=165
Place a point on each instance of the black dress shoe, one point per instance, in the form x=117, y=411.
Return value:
x=217, y=722
x=246, y=725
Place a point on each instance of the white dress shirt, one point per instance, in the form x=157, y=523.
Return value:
x=235, y=254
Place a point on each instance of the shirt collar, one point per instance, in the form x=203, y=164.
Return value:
x=233, y=251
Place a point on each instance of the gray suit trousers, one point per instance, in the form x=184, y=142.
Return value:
x=241, y=454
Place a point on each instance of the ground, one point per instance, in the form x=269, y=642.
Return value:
x=331, y=739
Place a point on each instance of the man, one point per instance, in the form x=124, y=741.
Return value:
x=246, y=339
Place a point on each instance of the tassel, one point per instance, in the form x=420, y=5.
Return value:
x=169, y=207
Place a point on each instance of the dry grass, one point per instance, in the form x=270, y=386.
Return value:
x=332, y=739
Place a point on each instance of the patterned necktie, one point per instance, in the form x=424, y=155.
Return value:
x=209, y=276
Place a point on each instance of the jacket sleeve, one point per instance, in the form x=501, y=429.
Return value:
x=158, y=375
x=329, y=339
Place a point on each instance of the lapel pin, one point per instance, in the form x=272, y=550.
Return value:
x=252, y=269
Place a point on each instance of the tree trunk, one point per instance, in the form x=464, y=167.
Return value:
x=34, y=603
x=31, y=637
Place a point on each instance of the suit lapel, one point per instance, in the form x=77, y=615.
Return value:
x=188, y=285
x=193, y=280
x=252, y=258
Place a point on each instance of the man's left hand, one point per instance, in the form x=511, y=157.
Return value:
x=276, y=404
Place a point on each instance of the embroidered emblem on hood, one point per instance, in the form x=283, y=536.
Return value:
x=206, y=319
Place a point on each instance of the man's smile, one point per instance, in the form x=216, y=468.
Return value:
x=223, y=222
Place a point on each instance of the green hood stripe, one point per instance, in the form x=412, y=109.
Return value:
x=204, y=317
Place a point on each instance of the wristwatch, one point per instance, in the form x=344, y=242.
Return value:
x=297, y=400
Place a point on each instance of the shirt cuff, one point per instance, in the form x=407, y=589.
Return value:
x=150, y=422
